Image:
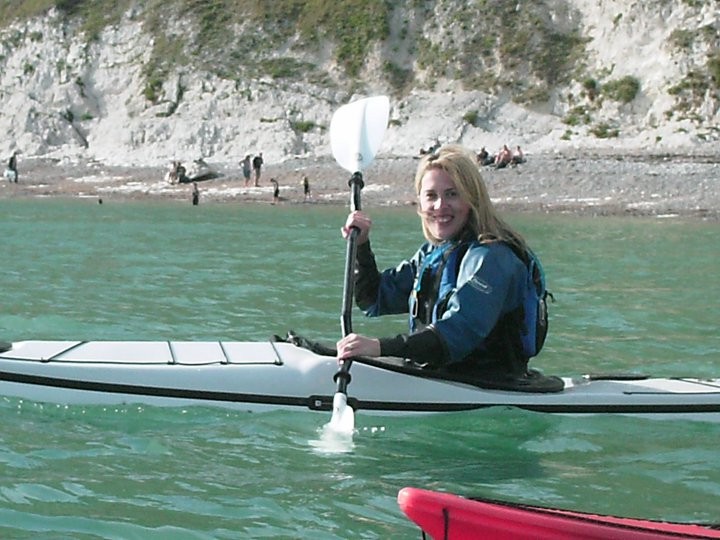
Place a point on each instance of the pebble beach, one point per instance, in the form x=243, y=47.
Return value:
x=594, y=184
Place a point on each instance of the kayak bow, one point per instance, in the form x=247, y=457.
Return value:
x=449, y=517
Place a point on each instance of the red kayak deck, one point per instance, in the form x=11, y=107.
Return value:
x=450, y=517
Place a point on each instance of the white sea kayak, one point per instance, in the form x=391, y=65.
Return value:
x=257, y=376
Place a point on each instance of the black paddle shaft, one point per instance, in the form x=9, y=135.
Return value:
x=356, y=184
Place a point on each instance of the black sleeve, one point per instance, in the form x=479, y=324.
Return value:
x=424, y=347
x=367, y=277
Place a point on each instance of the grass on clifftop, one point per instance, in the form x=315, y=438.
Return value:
x=231, y=30
x=509, y=47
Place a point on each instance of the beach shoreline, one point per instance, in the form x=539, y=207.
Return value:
x=593, y=184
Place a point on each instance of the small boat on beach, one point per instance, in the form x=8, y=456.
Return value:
x=444, y=516
x=261, y=376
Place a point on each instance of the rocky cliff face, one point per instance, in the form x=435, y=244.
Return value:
x=632, y=75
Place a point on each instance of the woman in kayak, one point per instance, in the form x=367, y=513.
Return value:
x=463, y=288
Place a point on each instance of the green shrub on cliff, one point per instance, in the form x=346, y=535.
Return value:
x=623, y=90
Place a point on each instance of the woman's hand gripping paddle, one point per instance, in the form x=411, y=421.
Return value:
x=356, y=131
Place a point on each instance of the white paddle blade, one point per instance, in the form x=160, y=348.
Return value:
x=343, y=416
x=357, y=130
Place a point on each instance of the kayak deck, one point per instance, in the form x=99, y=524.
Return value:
x=191, y=353
x=446, y=516
x=270, y=375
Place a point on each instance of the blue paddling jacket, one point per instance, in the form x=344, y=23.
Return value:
x=464, y=300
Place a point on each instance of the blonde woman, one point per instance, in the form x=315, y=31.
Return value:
x=463, y=289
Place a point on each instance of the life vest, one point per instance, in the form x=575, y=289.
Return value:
x=434, y=283
x=436, y=280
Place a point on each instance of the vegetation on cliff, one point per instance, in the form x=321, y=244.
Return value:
x=540, y=54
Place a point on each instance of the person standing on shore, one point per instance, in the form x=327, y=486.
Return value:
x=11, y=173
x=195, y=194
x=246, y=169
x=306, y=187
x=257, y=164
x=276, y=191
x=464, y=288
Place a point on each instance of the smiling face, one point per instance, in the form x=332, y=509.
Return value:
x=443, y=211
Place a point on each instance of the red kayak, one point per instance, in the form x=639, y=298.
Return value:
x=450, y=517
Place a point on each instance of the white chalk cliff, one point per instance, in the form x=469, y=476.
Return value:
x=68, y=97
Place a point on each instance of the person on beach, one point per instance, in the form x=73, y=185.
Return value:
x=276, y=191
x=195, y=194
x=177, y=173
x=518, y=156
x=11, y=173
x=484, y=158
x=306, y=187
x=463, y=288
x=503, y=157
x=246, y=169
x=432, y=148
x=257, y=164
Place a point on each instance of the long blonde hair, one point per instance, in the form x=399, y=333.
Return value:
x=483, y=223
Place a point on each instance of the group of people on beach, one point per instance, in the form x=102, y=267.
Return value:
x=177, y=171
x=252, y=169
x=305, y=182
x=503, y=158
x=252, y=165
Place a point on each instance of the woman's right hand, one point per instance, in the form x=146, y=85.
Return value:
x=357, y=345
x=362, y=222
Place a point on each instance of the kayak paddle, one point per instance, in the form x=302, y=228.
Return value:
x=356, y=131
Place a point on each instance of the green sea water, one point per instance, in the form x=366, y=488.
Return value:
x=637, y=295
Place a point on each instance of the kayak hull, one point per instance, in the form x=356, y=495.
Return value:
x=450, y=517
x=258, y=376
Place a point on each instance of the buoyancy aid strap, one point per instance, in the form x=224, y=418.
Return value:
x=429, y=261
x=434, y=289
x=447, y=281
x=428, y=280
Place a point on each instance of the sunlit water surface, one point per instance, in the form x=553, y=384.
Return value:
x=631, y=295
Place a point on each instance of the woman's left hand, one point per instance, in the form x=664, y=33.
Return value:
x=357, y=345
